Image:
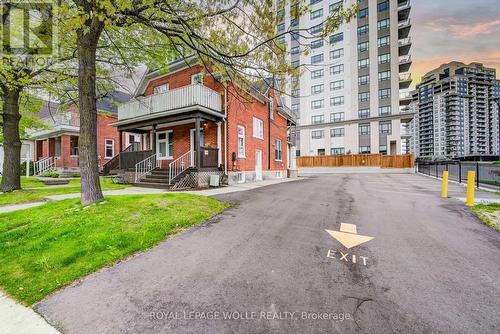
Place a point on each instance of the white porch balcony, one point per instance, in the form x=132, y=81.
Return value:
x=183, y=98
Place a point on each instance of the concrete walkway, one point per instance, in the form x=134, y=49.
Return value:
x=146, y=191
x=19, y=319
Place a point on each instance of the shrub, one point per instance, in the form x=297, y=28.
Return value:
x=50, y=173
x=23, y=168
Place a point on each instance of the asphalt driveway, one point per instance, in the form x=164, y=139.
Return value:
x=270, y=266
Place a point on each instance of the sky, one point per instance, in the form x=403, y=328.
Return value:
x=461, y=30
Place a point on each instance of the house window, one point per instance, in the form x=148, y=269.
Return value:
x=337, y=69
x=337, y=38
x=384, y=93
x=160, y=89
x=316, y=44
x=363, y=80
x=364, y=129
x=364, y=97
x=363, y=63
x=335, y=54
x=337, y=117
x=383, y=6
x=364, y=113
x=317, y=104
x=316, y=29
x=338, y=132
x=385, y=23
x=241, y=141
x=317, y=59
x=109, y=148
x=318, y=119
x=277, y=150
x=386, y=110
x=316, y=89
x=258, y=128
x=383, y=41
x=73, y=145
x=317, y=13
x=385, y=127
x=317, y=74
x=383, y=149
x=317, y=134
x=384, y=58
x=362, y=46
x=296, y=107
x=383, y=76
x=363, y=30
x=165, y=144
x=363, y=13
x=364, y=149
x=295, y=50
x=281, y=27
x=337, y=151
x=335, y=85
x=321, y=151
x=197, y=79
x=337, y=101
x=334, y=6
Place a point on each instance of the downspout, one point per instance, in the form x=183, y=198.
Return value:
x=225, y=131
x=269, y=111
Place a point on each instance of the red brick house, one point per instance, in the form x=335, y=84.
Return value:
x=57, y=146
x=185, y=125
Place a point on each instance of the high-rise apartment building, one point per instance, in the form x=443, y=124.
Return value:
x=348, y=95
x=456, y=112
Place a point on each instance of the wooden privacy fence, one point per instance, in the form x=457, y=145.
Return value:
x=358, y=160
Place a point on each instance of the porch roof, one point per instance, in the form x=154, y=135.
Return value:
x=55, y=131
x=174, y=116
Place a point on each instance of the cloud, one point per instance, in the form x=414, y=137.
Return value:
x=421, y=65
x=464, y=30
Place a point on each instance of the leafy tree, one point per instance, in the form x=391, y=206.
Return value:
x=234, y=40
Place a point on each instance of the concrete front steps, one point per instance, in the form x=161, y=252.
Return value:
x=159, y=179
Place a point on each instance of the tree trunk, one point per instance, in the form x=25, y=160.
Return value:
x=11, y=175
x=87, y=144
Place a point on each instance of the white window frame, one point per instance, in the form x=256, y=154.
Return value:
x=196, y=75
x=106, y=148
x=258, y=128
x=158, y=141
x=160, y=89
x=242, y=152
x=278, y=148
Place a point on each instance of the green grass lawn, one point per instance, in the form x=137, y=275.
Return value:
x=34, y=182
x=489, y=214
x=50, y=246
x=30, y=195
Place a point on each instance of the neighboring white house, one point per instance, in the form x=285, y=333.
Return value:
x=27, y=150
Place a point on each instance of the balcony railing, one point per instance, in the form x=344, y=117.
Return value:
x=404, y=41
x=403, y=5
x=405, y=59
x=404, y=23
x=187, y=96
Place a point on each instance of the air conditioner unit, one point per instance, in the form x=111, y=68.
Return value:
x=214, y=180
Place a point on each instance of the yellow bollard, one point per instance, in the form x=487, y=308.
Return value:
x=444, y=188
x=470, y=188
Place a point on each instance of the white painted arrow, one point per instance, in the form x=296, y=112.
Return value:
x=348, y=236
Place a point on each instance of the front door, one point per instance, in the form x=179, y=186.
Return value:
x=132, y=138
x=191, y=143
x=258, y=165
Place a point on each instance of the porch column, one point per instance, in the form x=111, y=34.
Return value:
x=153, y=133
x=197, y=143
x=219, y=144
x=120, y=138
